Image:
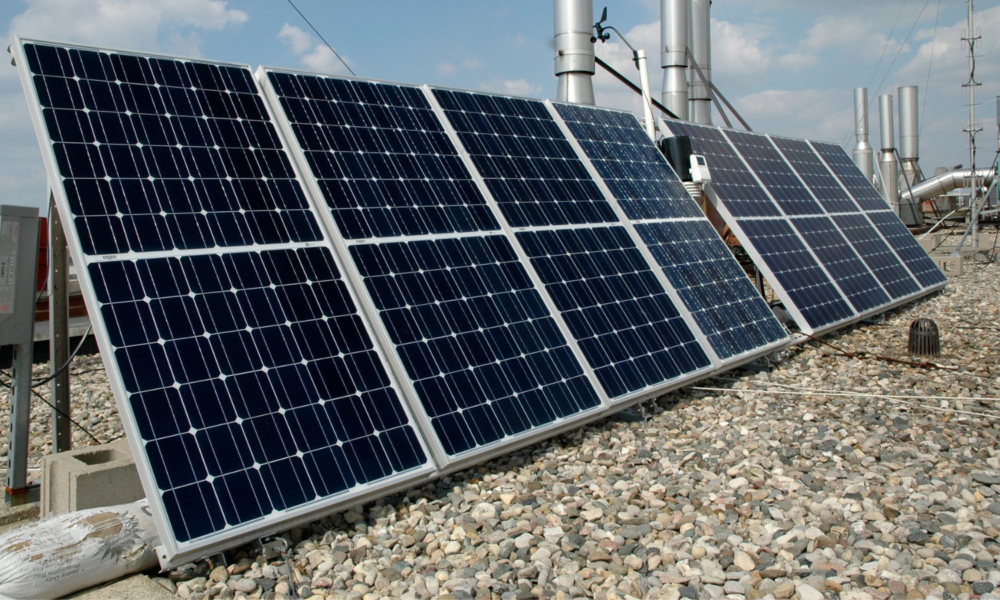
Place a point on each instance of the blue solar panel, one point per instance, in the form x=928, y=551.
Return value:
x=772, y=170
x=808, y=286
x=848, y=271
x=611, y=299
x=244, y=373
x=625, y=323
x=483, y=353
x=529, y=167
x=877, y=254
x=710, y=282
x=850, y=176
x=908, y=248
x=731, y=179
x=632, y=167
x=814, y=173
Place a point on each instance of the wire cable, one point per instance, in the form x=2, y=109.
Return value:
x=59, y=371
x=9, y=385
x=927, y=86
x=316, y=31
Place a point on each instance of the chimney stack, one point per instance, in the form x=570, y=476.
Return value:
x=574, y=62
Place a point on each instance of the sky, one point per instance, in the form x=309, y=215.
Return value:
x=788, y=66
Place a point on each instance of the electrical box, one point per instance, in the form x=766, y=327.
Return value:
x=18, y=267
x=699, y=169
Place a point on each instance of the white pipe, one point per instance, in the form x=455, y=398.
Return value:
x=700, y=42
x=647, y=103
x=863, y=153
x=673, y=57
x=942, y=184
x=574, y=61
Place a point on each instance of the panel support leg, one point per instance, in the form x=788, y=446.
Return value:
x=17, y=492
x=62, y=438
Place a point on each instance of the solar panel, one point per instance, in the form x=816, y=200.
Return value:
x=618, y=311
x=850, y=176
x=772, y=170
x=796, y=272
x=711, y=284
x=866, y=241
x=476, y=341
x=247, y=380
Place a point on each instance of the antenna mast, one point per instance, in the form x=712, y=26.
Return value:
x=972, y=38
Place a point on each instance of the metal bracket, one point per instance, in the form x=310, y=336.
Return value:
x=273, y=546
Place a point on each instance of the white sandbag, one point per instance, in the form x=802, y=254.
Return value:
x=70, y=552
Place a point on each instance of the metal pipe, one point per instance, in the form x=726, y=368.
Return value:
x=700, y=42
x=863, y=153
x=942, y=184
x=673, y=57
x=647, y=102
x=909, y=133
x=887, y=162
x=574, y=60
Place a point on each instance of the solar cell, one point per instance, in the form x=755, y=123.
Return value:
x=877, y=254
x=709, y=281
x=484, y=355
x=908, y=248
x=614, y=304
x=816, y=176
x=245, y=375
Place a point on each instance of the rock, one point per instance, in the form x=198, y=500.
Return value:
x=743, y=562
x=699, y=552
x=592, y=515
x=806, y=592
x=856, y=595
x=452, y=547
x=735, y=484
x=948, y=576
x=523, y=541
x=484, y=511
x=246, y=585
x=972, y=576
x=986, y=478
x=784, y=590
x=219, y=574
x=553, y=534
x=982, y=587
x=689, y=592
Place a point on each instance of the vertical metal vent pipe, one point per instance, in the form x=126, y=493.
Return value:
x=909, y=136
x=887, y=161
x=700, y=42
x=863, y=153
x=673, y=57
x=574, y=62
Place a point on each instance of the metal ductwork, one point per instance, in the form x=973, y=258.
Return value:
x=673, y=57
x=942, y=184
x=888, y=165
x=863, y=153
x=700, y=42
x=909, y=136
x=574, y=62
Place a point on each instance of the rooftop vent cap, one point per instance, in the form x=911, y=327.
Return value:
x=925, y=339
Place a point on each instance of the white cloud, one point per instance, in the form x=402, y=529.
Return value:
x=511, y=87
x=815, y=114
x=446, y=69
x=519, y=40
x=473, y=63
x=315, y=56
x=132, y=24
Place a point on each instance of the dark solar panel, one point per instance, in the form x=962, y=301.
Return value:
x=625, y=323
x=848, y=271
x=908, y=248
x=772, y=170
x=485, y=357
x=734, y=183
x=808, y=286
x=850, y=176
x=817, y=177
x=877, y=254
x=248, y=381
x=530, y=168
x=710, y=282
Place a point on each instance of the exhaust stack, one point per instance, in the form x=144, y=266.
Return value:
x=574, y=62
x=700, y=41
x=888, y=165
x=863, y=153
x=909, y=136
x=673, y=57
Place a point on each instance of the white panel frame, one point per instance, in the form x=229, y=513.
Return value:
x=171, y=552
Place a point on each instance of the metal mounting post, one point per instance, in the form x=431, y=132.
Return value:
x=62, y=437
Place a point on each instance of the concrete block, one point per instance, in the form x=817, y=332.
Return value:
x=951, y=265
x=89, y=477
x=931, y=242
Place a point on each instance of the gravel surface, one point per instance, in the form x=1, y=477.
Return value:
x=826, y=477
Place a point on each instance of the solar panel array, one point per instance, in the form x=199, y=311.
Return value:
x=832, y=248
x=311, y=291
